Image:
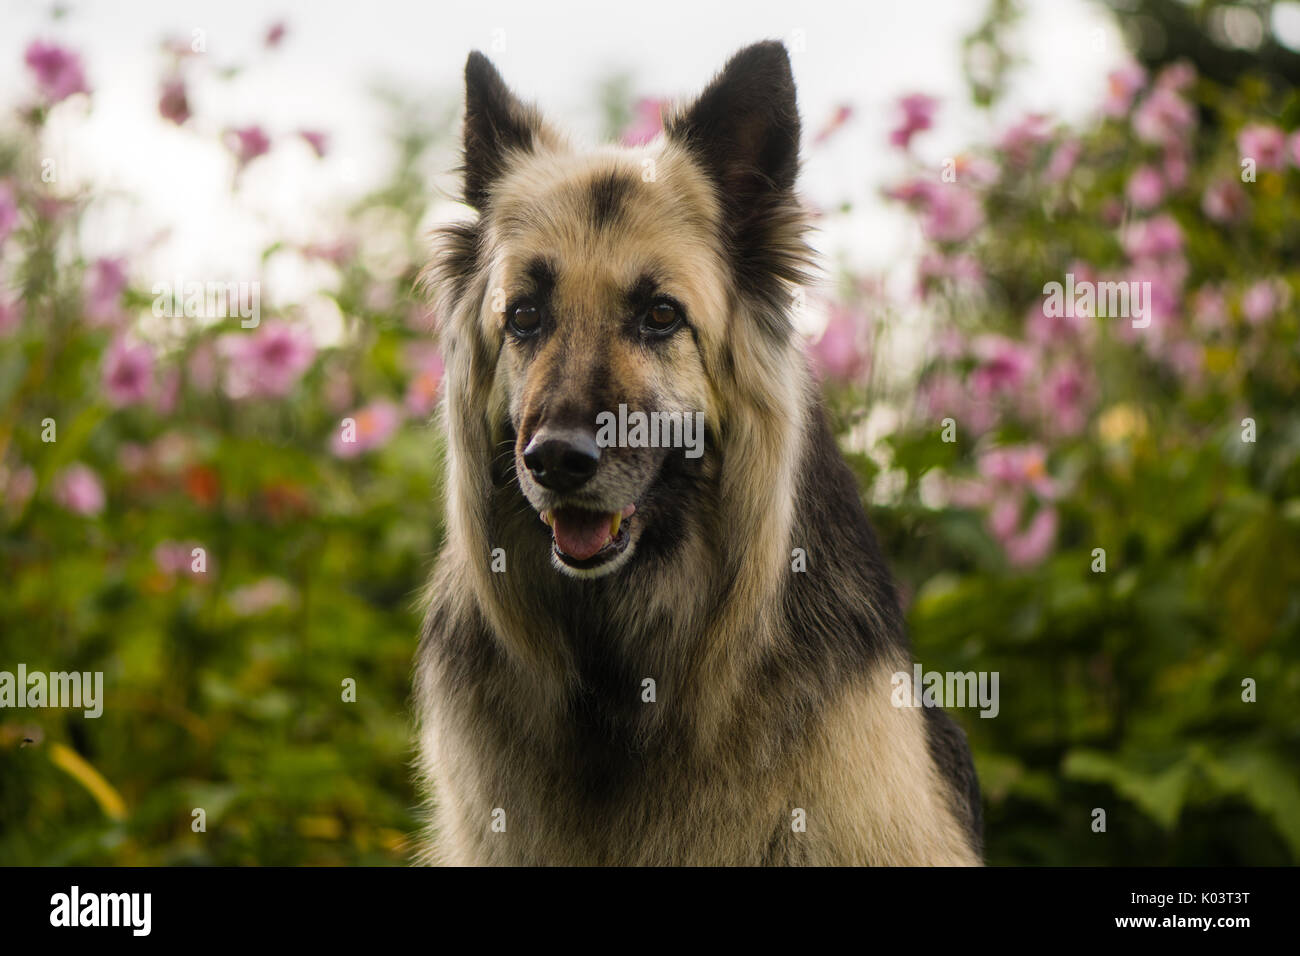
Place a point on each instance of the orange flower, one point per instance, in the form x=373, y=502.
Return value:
x=202, y=484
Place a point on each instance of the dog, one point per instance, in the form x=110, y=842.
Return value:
x=635, y=653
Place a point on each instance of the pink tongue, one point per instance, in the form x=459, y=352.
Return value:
x=580, y=534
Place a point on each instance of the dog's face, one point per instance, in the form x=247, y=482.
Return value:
x=607, y=277
x=609, y=283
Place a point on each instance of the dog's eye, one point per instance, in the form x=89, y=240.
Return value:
x=525, y=319
x=661, y=318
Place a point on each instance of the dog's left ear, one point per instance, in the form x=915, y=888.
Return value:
x=744, y=132
x=744, y=128
x=496, y=124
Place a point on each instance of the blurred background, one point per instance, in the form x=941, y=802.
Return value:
x=1115, y=529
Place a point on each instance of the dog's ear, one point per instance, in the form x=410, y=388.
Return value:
x=744, y=128
x=496, y=124
x=744, y=132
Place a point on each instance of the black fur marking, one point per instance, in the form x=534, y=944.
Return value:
x=845, y=559
x=496, y=122
x=679, y=491
x=541, y=286
x=606, y=194
x=846, y=635
x=461, y=253
x=638, y=297
x=541, y=274
x=951, y=754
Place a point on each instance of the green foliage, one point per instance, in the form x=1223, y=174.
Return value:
x=224, y=689
x=1123, y=689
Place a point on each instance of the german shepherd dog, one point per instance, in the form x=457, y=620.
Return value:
x=634, y=654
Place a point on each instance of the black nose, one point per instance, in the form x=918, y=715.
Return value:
x=562, y=459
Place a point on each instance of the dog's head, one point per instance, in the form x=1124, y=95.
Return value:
x=611, y=304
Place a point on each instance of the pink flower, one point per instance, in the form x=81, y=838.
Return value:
x=1020, y=140
x=1011, y=474
x=1064, y=158
x=132, y=457
x=1163, y=305
x=1164, y=117
x=17, y=485
x=422, y=390
x=842, y=114
x=1003, y=366
x=1111, y=212
x=173, y=104
x=267, y=362
x=1293, y=144
x=336, y=252
x=128, y=373
x=1145, y=188
x=1175, y=165
x=839, y=352
x=58, y=71
x=1264, y=143
x=370, y=428
x=647, y=122
x=1260, y=301
x=953, y=214
x=175, y=557
x=918, y=115
x=1068, y=393
x=275, y=35
x=941, y=395
x=104, y=282
x=247, y=143
x=1177, y=76
x=1187, y=360
x=50, y=209
x=8, y=211
x=978, y=170
x=1209, y=309
x=1121, y=86
x=169, y=391
x=1064, y=329
x=914, y=192
x=1003, y=517
x=337, y=390
x=1018, y=468
x=261, y=596
x=78, y=489
x=1029, y=547
x=1153, y=238
x=11, y=316
x=318, y=141
x=1224, y=201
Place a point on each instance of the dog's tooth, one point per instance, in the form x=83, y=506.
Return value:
x=614, y=523
x=546, y=518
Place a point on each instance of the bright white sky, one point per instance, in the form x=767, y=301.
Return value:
x=866, y=52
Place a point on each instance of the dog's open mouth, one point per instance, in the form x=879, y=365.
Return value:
x=587, y=539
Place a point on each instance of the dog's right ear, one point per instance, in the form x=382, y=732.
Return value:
x=496, y=124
